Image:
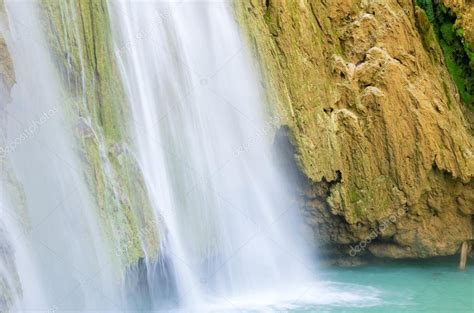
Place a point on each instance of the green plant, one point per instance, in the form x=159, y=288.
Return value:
x=458, y=56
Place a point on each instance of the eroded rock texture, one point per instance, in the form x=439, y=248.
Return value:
x=376, y=121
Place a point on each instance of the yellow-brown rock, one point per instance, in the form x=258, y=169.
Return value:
x=374, y=117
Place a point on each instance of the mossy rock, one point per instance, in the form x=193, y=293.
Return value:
x=80, y=37
x=457, y=53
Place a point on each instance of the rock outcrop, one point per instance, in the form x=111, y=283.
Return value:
x=79, y=36
x=376, y=120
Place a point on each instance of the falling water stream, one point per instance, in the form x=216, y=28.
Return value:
x=67, y=255
x=205, y=149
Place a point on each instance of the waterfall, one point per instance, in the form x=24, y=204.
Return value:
x=204, y=145
x=59, y=227
x=214, y=225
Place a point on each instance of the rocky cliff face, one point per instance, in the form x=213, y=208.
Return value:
x=380, y=136
x=372, y=106
x=80, y=38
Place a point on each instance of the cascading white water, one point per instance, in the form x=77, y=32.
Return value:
x=203, y=146
x=205, y=151
x=60, y=228
x=230, y=236
x=16, y=264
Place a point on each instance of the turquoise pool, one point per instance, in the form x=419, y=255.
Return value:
x=430, y=286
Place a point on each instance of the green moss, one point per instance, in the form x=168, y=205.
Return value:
x=80, y=37
x=458, y=56
x=428, y=35
x=460, y=32
x=271, y=22
x=447, y=33
x=427, y=6
x=84, y=45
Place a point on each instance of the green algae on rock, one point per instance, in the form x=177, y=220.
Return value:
x=456, y=48
x=80, y=37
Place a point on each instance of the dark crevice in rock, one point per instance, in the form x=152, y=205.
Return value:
x=267, y=4
x=458, y=56
x=286, y=151
x=329, y=232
